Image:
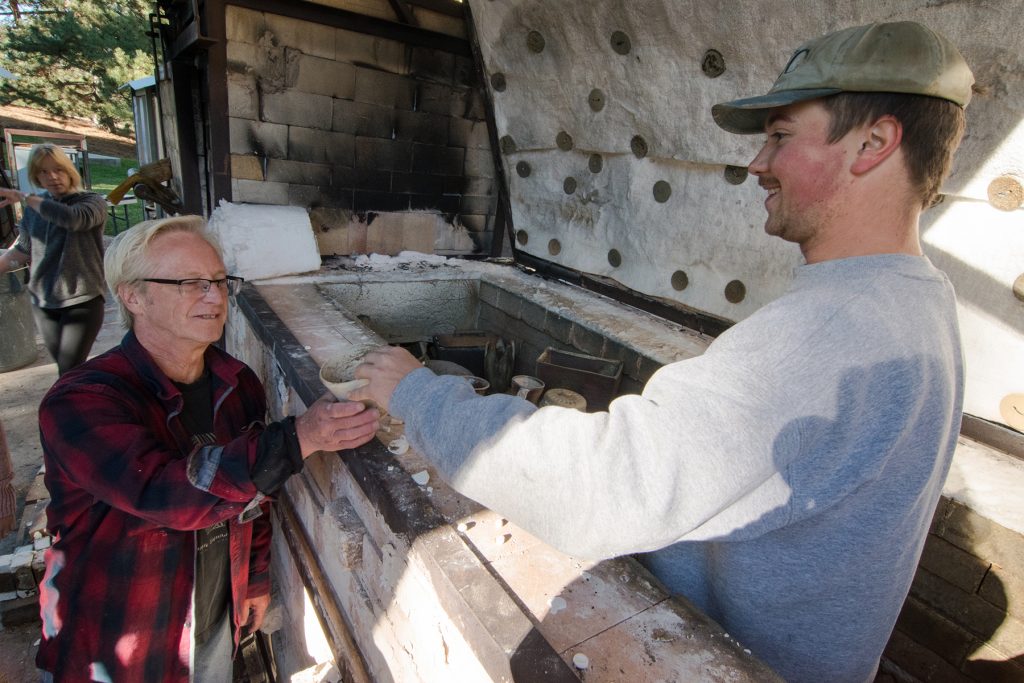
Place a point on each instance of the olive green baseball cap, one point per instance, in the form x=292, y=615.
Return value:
x=898, y=57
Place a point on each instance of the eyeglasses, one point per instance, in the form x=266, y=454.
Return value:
x=198, y=286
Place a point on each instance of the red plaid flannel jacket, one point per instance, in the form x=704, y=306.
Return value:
x=127, y=492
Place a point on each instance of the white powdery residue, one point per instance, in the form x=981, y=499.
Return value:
x=384, y=262
x=417, y=257
x=557, y=604
x=399, y=447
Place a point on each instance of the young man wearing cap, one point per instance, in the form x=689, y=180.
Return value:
x=783, y=481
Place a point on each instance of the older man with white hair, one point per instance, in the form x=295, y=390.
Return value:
x=159, y=464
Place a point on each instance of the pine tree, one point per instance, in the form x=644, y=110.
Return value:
x=72, y=56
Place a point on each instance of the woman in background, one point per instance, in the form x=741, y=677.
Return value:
x=61, y=237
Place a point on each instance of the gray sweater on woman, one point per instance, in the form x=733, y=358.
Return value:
x=64, y=241
x=784, y=481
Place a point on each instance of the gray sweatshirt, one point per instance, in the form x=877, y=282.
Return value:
x=784, y=481
x=64, y=241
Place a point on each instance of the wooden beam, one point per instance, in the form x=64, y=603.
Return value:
x=503, y=214
x=449, y=7
x=218, y=160
x=188, y=40
x=330, y=615
x=360, y=23
x=403, y=13
x=183, y=75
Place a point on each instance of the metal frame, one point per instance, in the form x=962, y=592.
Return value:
x=503, y=213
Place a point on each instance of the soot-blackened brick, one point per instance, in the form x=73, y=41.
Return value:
x=298, y=172
x=378, y=154
x=433, y=202
x=318, y=146
x=380, y=201
x=323, y=77
x=362, y=119
x=305, y=195
x=315, y=39
x=437, y=160
x=257, y=137
x=297, y=108
x=479, y=163
x=343, y=176
x=417, y=183
x=435, y=98
x=474, y=223
x=243, y=101
x=465, y=74
x=421, y=127
x=244, y=25
x=469, y=104
x=360, y=48
x=474, y=204
x=376, y=181
x=241, y=57
x=337, y=197
x=482, y=187
x=384, y=89
x=432, y=65
x=467, y=133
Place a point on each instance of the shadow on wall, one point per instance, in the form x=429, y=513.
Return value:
x=955, y=623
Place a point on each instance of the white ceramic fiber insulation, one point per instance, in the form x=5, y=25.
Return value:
x=261, y=241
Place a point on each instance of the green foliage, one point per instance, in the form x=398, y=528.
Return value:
x=72, y=57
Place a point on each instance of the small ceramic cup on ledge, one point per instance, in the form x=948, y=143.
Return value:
x=530, y=388
x=564, y=398
x=479, y=384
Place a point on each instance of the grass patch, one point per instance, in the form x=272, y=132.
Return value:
x=105, y=177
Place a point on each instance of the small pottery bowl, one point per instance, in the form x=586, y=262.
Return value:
x=336, y=375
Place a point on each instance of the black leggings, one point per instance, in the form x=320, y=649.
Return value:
x=68, y=333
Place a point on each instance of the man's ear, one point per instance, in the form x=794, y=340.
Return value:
x=879, y=141
x=129, y=296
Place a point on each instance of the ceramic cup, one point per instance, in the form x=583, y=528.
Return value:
x=479, y=384
x=336, y=375
x=564, y=398
x=530, y=388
